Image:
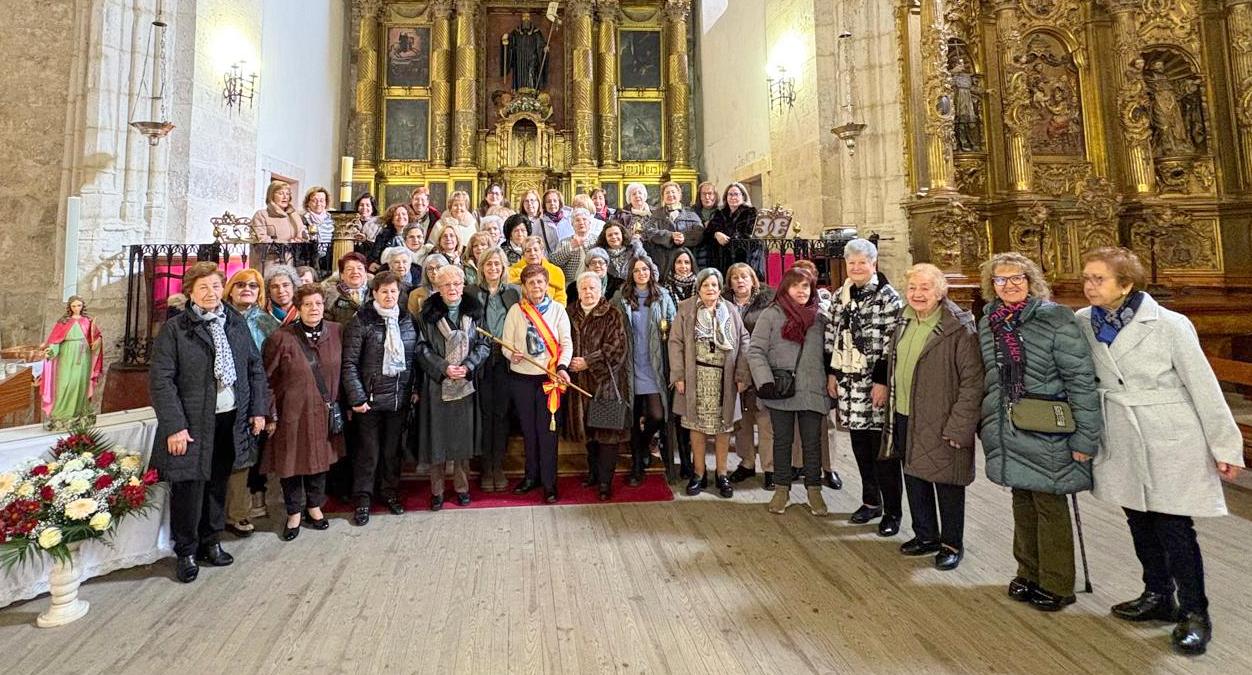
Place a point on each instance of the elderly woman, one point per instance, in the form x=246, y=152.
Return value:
x=1169, y=439
x=394, y=224
x=532, y=211
x=708, y=369
x=571, y=255
x=601, y=365
x=862, y=318
x=788, y=337
x=648, y=308
x=598, y=262
x=621, y=247
x=600, y=204
x=316, y=217
x=398, y=261
x=430, y=266
x=458, y=215
x=674, y=228
x=493, y=227
x=706, y=202
x=539, y=325
x=533, y=254
x=345, y=298
x=749, y=298
x=413, y=238
x=516, y=230
x=208, y=390
x=450, y=352
x=582, y=201
x=302, y=363
x=635, y=218
x=278, y=222
x=933, y=354
x=245, y=292
x=448, y=242
x=496, y=296
x=306, y=275
x=733, y=222
x=474, y=249
x=378, y=371
x=281, y=282
x=1035, y=353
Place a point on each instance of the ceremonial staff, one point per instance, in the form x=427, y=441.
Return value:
x=529, y=359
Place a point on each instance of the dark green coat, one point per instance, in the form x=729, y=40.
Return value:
x=1058, y=365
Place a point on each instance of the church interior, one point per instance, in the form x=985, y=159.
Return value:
x=945, y=131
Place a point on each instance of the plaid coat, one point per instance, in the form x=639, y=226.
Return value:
x=879, y=315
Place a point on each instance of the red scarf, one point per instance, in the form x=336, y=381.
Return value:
x=799, y=317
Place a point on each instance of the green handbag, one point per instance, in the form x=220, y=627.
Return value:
x=1042, y=415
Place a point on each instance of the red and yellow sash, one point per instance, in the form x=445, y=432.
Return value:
x=554, y=387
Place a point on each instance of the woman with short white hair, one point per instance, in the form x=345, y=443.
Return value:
x=637, y=213
x=571, y=255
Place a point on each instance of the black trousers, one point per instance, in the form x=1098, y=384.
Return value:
x=198, y=507
x=602, y=461
x=496, y=408
x=301, y=492
x=649, y=419
x=1167, y=548
x=377, y=459
x=256, y=479
x=539, y=440
x=923, y=495
x=785, y=423
x=882, y=481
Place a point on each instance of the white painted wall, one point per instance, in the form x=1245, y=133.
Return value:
x=302, y=92
x=735, y=98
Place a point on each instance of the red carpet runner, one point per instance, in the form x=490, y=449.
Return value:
x=415, y=495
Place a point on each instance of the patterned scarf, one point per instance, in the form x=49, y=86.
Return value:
x=456, y=341
x=799, y=317
x=223, y=357
x=713, y=325
x=1005, y=323
x=393, y=345
x=1108, y=324
x=681, y=288
x=534, y=342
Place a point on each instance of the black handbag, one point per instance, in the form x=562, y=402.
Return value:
x=334, y=413
x=784, y=381
x=609, y=413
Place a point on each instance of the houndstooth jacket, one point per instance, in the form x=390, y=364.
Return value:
x=879, y=314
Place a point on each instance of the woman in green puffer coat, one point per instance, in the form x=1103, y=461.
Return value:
x=1034, y=348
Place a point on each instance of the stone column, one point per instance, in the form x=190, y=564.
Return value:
x=583, y=74
x=1016, y=100
x=610, y=17
x=1134, y=111
x=465, y=124
x=440, y=80
x=1239, y=34
x=937, y=95
x=363, y=129
x=678, y=83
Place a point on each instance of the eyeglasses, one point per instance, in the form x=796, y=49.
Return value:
x=1093, y=280
x=248, y=284
x=1016, y=280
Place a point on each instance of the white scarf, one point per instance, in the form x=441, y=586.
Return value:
x=393, y=345
x=714, y=325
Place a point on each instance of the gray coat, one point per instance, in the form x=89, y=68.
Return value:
x=767, y=350
x=184, y=393
x=1166, y=422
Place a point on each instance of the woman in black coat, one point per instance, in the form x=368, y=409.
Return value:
x=496, y=296
x=730, y=232
x=378, y=368
x=208, y=390
x=450, y=352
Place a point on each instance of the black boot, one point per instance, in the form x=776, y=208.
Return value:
x=741, y=473
x=697, y=485
x=1148, y=607
x=1192, y=634
x=724, y=488
x=832, y=480
x=767, y=482
x=187, y=569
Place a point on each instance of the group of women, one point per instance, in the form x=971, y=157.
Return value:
x=630, y=337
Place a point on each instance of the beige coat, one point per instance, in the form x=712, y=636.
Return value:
x=273, y=225
x=682, y=359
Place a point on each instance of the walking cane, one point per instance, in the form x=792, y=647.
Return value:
x=1082, y=546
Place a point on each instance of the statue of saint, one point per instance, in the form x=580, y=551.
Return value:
x=1167, y=120
x=968, y=123
x=523, y=53
x=74, y=359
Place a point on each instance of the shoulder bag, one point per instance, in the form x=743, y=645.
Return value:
x=334, y=414
x=784, y=380
x=609, y=413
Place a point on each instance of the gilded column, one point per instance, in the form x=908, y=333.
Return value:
x=440, y=80
x=1018, y=114
x=1133, y=108
x=678, y=83
x=583, y=74
x=465, y=124
x=937, y=92
x=610, y=17
x=1239, y=33
x=363, y=129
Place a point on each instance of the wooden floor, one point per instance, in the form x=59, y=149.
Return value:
x=698, y=585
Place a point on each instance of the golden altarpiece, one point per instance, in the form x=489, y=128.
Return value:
x=458, y=94
x=1052, y=127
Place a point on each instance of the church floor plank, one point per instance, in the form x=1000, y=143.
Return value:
x=697, y=585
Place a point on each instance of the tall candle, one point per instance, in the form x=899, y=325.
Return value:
x=69, y=278
x=345, y=180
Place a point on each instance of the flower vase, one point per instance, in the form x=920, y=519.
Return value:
x=63, y=581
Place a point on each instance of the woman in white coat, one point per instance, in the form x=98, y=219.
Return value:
x=1169, y=439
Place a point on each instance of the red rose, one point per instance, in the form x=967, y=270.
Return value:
x=46, y=493
x=105, y=459
x=41, y=470
x=150, y=477
x=104, y=481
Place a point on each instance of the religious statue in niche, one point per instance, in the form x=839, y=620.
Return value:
x=1178, y=126
x=966, y=92
x=73, y=361
x=524, y=56
x=408, y=57
x=1052, y=80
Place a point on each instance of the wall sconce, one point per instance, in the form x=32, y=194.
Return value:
x=852, y=125
x=238, y=87
x=782, y=88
